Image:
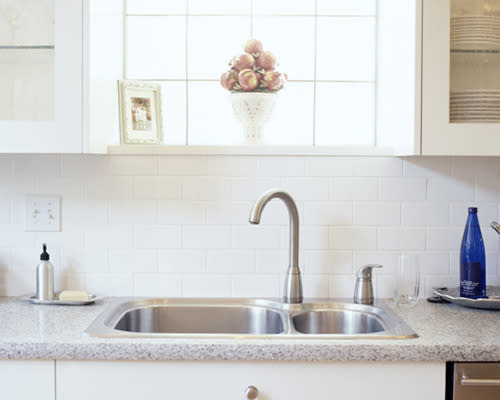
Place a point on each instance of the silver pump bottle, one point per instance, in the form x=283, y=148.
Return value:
x=45, y=277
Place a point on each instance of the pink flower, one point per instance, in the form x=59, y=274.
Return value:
x=274, y=80
x=228, y=79
x=253, y=46
x=248, y=79
x=243, y=61
x=266, y=60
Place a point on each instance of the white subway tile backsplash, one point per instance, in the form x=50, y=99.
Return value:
x=207, y=286
x=354, y=189
x=5, y=165
x=157, y=187
x=342, y=286
x=182, y=165
x=402, y=189
x=206, y=237
x=256, y=237
x=328, y=213
x=232, y=166
x=377, y=213
x=157, y=236
x=36, y=165
x=450, y=189
x=444, y=238
x=353, y=238
x=270, y=261
x=316, y=189
x=377, y=166
x=256, y=286
x=427, y=166
x=116, y=187
x=488, y=189
x=388, y=260
x=426, y=213
x=311, y=237
x=181, y=213
x=249, y=189
x=402, y=238
x=133, y=260
x=132, y=211
x=328, y=262
x=178, y=225
x=316, y=286
x=231, y=261
x=198, y=188
x=158, y=285
x=330, y=166
x=182, y=261
x=109, y=237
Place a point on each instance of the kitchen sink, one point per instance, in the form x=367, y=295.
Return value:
x=246, y=318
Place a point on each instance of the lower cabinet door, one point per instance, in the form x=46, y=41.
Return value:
x=227, y=380
x=27, y=380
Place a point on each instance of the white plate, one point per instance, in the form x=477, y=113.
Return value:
x=57, y=302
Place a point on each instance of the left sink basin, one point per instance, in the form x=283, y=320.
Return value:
x=159, y=317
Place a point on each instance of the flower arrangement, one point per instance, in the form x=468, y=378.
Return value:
x=253, y=71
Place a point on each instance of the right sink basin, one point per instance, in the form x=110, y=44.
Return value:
x=336, y=322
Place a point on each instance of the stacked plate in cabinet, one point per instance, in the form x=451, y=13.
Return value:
x=475, y=106
x=475, y=32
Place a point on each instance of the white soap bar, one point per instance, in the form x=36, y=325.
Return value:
x=74, y=295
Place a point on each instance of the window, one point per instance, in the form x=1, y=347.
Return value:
x=327, y=48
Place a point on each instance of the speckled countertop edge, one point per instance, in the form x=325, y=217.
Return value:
x=446, y=333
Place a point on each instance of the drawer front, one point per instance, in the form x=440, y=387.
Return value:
x=476, y=381
x=225, y=380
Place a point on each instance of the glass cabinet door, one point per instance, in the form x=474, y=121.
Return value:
x=27, y=60
x=475, y=61
x=41, y=59
x=461, y=77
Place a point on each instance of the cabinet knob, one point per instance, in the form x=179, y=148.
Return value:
x=251, y=393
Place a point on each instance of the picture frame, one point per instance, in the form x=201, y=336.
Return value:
x=140, y=112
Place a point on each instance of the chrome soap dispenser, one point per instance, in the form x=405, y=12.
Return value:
x=45, y=277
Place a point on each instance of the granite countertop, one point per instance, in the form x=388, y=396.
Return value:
x=446, y=333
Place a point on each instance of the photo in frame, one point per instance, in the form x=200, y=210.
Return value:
x=140, y=112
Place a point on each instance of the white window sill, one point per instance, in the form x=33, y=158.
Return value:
x=254, y=150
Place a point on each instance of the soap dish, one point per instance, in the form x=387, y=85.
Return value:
x=56, y=302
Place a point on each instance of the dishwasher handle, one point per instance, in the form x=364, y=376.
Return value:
x=466, y=381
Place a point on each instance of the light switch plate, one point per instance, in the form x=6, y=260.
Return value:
x=43, y=213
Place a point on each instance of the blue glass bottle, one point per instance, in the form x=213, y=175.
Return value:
x=472, y=259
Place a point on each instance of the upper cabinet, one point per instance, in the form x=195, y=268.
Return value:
x=41, y=76
x=460, y=77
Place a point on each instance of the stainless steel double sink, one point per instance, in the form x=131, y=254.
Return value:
x=252, y=318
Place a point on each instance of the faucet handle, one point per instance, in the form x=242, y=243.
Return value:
x=366, y=271
x=363, y=290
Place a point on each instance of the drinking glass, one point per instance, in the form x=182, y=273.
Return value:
x=407, y=281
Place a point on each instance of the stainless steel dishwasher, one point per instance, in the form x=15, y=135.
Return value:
x=473, y=381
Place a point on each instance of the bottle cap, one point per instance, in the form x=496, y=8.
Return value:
x=44, y=256
x=473, y=209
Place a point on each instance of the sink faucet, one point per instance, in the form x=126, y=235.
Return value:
x=293, y=284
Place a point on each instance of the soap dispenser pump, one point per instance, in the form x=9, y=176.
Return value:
x=45, y=277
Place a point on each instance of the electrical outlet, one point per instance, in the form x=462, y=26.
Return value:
x=43, y=213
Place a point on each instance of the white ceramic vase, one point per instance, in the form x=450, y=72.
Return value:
x=253, y=109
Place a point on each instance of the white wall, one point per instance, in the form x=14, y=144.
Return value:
x=178, y=225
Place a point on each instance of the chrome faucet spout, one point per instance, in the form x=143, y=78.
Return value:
x=293, y=284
